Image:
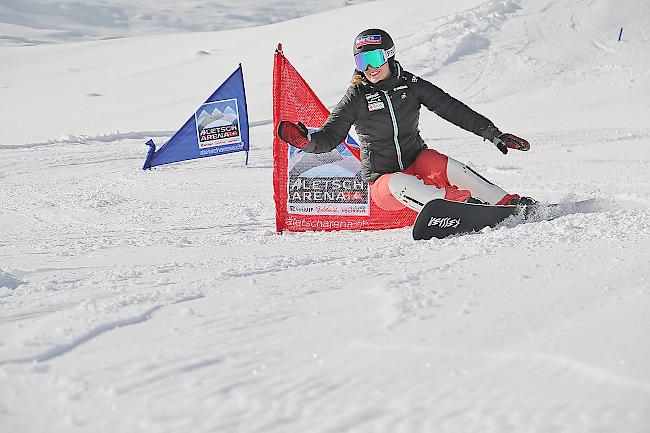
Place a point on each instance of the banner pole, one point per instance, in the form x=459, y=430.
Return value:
x=150, y=153
x=248, y=127
x=277, y=85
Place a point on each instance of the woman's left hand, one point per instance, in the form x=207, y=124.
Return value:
x=510, y=141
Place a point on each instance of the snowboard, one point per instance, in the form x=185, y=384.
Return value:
x=441, y=218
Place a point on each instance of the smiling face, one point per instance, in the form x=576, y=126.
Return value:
x=375, y=75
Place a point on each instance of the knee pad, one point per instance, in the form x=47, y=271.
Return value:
x=464, y=177
x=412, y=192
x=381, y=195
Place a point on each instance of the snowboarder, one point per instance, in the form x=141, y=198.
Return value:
x=383, y=102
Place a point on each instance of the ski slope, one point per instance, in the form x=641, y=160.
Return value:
x=163, y=301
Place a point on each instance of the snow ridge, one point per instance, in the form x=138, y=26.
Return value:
x=108, y=138
x=9, y=281
x=81, y=139
x=60, y=350
x=33, y=22
x=447, y=40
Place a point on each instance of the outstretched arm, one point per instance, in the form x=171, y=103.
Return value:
x=337, y=126
x=454, y=111
x=449, y=108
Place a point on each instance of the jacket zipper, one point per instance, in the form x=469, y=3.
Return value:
x=395, y=131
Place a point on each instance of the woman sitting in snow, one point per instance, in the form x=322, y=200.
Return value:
x=383, y=103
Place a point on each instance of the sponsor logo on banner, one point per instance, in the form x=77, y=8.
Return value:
x=228, y=148
x=217, y=124
x=326, y=183
x=444, y=223
x=367, y=40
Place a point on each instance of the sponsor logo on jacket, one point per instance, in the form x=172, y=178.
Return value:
x=444, y=223
x=374, y=101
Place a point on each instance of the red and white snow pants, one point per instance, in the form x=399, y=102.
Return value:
x=433, y=175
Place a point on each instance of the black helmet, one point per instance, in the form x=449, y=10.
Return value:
x=373, y=39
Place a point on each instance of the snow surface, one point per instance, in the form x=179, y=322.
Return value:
x=163, y=301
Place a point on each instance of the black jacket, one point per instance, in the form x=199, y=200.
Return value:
x=386, y=117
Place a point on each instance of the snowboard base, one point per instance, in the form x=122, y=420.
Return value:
x=441, y=218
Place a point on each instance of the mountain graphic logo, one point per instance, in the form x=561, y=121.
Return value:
x=209, y=117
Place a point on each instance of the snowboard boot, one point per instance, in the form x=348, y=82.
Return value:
x=527, y=205
x=474, y=200
x=517, y=200
x=524, y=201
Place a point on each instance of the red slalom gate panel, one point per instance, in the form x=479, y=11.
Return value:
x=319, y=191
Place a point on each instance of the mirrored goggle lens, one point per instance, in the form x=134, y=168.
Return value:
x=374, y=58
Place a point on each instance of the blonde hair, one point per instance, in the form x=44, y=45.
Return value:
x=357, y=79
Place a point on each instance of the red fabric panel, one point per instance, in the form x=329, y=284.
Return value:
x=295, y=101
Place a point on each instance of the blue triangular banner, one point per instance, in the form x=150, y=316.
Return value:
x=218, y=127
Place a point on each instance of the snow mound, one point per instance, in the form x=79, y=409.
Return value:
x=34, y=22
x=9, y=281
x=446, y=40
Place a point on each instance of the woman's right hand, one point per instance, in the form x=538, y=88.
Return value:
x=296, y=135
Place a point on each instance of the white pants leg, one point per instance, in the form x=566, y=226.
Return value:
x=412, y=192
x=464, y=177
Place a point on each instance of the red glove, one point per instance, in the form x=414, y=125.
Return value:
x=294, y=134
x=513, y=142
x=504, y=141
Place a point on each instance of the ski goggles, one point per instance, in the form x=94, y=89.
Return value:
x=374, y=58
